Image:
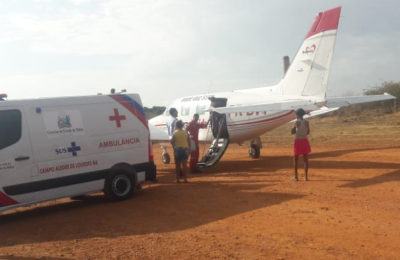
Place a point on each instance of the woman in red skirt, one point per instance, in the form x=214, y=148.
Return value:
x=301, y=145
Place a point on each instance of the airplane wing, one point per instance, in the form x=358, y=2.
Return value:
x=345, y=101
x=330, y=103
x=323, y=110
x=157, y=135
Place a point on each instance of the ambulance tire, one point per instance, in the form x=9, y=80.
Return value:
x=254, y=151
x=120, y=184
x=166, y=159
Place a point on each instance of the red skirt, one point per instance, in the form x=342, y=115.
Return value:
x=301, y=146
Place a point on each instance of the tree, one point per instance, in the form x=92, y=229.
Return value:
x=393, y=88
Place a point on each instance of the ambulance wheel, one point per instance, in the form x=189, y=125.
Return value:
x=254, y=151
x=119, y=185
x=166, y=159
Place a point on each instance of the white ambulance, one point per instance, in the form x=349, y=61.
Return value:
x=65, y=147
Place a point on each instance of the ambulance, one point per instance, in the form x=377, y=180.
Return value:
x=71, y=146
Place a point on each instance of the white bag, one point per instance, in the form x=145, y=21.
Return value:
x=192, y=145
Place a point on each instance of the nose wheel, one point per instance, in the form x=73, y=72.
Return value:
x=254, y=151
x=166, y=159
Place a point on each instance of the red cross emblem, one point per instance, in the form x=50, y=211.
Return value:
x=117, y=117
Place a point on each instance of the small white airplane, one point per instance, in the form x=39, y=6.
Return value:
x=246, y=114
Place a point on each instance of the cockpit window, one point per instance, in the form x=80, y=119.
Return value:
x=185, y=110
x=201, y=109
x=202, y=106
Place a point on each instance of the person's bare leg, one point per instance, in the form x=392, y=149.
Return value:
x=177, y=170
x=185, y=170
x=296, y=160
x=305, y=158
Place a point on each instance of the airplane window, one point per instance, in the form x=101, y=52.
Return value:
x=185, y=110
x=10, y=127
x=201, y=109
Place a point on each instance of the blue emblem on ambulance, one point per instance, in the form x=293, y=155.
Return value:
x=74, y=148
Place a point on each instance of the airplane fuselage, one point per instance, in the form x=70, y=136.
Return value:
x=241, y=126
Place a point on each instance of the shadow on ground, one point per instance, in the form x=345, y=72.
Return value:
x=11, y=257
x=270, y=164
x=337, y=153
x=388, y=177
x=159, y=208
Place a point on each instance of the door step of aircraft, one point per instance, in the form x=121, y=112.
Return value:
x=215, y=152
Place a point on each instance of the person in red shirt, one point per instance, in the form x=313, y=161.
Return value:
x=193, y=129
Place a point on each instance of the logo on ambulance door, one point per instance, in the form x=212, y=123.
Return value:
x=64, y=122
x=67, y=122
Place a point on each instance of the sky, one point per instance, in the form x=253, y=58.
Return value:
x=165, y=49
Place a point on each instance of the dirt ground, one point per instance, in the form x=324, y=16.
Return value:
x=239, y=209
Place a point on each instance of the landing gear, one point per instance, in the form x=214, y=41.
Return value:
x=166, y=159
x=254, y=149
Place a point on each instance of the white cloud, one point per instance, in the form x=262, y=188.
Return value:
x=79, y=2
x=175, y=47
x=119, y=27
x=364, y=61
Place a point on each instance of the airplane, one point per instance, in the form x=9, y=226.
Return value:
x=246, y=114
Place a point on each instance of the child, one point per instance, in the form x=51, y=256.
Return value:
x=180, y=141
x=301, y=145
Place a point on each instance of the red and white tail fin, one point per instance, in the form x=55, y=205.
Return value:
x=308, y=73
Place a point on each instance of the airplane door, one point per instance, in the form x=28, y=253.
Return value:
x=218, y=121
x=16, y=160
x=219, y=129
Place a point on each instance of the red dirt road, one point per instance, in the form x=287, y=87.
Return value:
x=240, y=209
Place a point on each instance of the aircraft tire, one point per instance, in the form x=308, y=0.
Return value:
x=166, y=159
x=254, y=151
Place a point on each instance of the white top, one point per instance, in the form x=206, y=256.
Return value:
x=171, y=126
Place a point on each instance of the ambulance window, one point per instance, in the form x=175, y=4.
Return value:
x=10, y=127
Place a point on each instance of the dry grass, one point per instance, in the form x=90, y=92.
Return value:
x=367, y=128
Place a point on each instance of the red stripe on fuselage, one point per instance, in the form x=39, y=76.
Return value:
x=263, y=121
